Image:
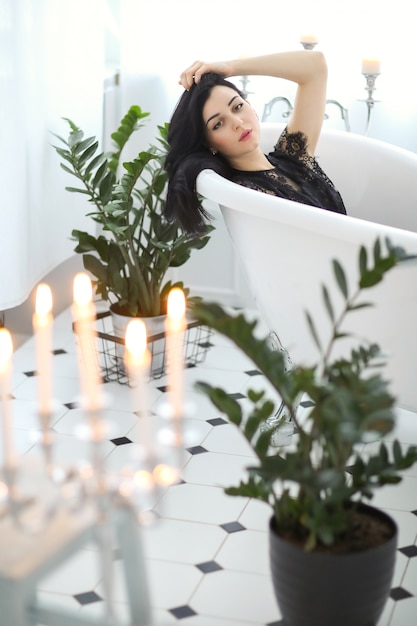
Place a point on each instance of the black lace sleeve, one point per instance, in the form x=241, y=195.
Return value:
x=296, y=175
x=295, y=146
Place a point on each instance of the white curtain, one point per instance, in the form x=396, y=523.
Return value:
x=51, y=66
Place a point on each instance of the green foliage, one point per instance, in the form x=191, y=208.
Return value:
x=131, y=255
x=311, y=484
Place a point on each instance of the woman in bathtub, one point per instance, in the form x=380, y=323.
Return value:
x=215, y=127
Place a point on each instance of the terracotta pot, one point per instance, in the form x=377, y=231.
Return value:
x=325, y=589
x=154, y=326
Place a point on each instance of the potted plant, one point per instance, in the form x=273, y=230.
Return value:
x=332, y=554
x=135, y=245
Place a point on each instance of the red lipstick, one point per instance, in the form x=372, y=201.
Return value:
x=245, y=135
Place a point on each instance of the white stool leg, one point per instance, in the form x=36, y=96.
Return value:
x=15, y=598
x=130, y=542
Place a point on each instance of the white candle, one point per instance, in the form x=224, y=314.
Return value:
x=84, y=315
x=42, y=325
x=371, y=66
x=309, y=39
x=138, y=360
x=6, y=351
x=175, y=326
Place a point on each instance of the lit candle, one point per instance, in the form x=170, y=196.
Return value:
x=309, y=39
x=175, y=326
x=84, y=315
x=42, y=325
x=138, y=360
x=6, y=351
x=371, y=66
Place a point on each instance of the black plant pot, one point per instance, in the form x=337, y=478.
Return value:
x=324, y=589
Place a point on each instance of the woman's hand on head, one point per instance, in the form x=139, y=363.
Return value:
x=194, y=73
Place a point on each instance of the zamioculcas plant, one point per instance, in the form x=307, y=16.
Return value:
x=132, y=246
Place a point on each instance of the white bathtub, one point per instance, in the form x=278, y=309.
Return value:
x=286, y=249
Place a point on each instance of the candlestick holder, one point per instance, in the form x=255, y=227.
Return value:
x=244, y=80
x=51, y=510
x=370, y=101
x=44, y=506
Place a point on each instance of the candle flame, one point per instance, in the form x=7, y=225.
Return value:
x=83, y=290
x=136, y=337
x=176, y=304
x=143, y=480
x=43, y=299
x=165, y=474
x=6, y=348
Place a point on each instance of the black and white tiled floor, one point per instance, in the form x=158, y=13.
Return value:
x=207, y=556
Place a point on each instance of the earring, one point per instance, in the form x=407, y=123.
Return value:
x=213, y=152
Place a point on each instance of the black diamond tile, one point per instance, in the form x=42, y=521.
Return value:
x=217, y=421
x=409, y=551
x=232, y=527
x=414, y=512
x=206, y=344
x=59, y=351
x=88, y=598
x=208, y=567
x=72, y=405
x=253, y=373
x=236, y=396
x=163, y=388
x=121, y=441
x=196, y=450
x=306, y=404
x=31, y=373
x=180, y=612
x=398, y=593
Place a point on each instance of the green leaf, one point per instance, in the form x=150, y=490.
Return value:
x=105, y=187
x=67, y=169
x=363, y=260
x=377, y=251
x=75, y=138
x=83, y=145
x=340, y=278
x=87, y=154
x=99, y=160
x=99, y=175
x=370, y=278
x=327, y=302
x=313, y=331
x=77, y=190
x=222, y=401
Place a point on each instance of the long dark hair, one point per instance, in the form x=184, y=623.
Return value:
x=189, y=154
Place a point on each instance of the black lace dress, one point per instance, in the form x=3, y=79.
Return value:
x=296, y=176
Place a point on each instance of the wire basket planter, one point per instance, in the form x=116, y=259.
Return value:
x=110, y=349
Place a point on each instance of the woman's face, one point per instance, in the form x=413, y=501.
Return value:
x=231, y=125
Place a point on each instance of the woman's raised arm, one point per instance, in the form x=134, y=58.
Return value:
x=307, y=68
